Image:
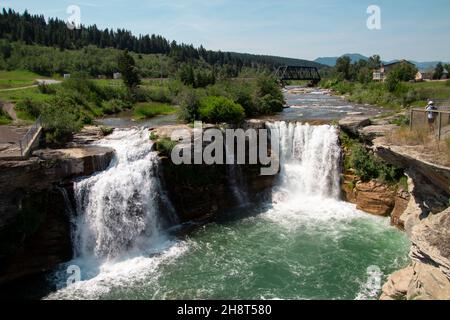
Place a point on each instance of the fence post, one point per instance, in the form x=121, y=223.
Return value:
x=411, y=113
x=439, y=126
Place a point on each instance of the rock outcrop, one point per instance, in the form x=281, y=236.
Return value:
x=428, y=277
x=353, y=124
x=422, y=211
x=375, y=198
x=34, y=230
x=202, y=191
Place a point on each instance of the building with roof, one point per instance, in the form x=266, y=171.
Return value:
x=382, y=73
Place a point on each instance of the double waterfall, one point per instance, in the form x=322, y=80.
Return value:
x=120, y=209
x=304, y=243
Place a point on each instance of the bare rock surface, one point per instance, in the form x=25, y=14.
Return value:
x=375, y=198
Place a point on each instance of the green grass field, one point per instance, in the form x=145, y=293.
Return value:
x=152, y=109
x=21, y=94
x=437, y=90
x=17, y=79
x=410, y=94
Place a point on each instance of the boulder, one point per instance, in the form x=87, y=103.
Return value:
x=353, y=124
x=369, y=133
x=428, y=277
x=397, y=286
x=375, y=198
x=428, y=283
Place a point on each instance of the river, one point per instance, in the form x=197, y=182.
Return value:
x=304, y=244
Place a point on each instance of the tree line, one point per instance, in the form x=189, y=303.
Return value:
x=35, y=29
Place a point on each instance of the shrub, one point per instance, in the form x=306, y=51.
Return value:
x=60, y=122
x=243, y=96
x=46, y=89
x=153, y=136
x=189, y=102
x=220, y=109
x=368, y=167
x=165, y=146
x=160, y=94
x=115, y=106
x=106, y=131
x=268, y=105
x=401, y=120
x=392, y=82
x=270, y=98
x=4, y=117
x=28, y=109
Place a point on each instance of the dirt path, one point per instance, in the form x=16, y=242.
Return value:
x=39, y=82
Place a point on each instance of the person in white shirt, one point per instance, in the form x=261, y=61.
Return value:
x=431, y=115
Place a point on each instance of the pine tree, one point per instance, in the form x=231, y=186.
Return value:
x=127, y=67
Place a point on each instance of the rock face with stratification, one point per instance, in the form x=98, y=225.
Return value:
x=375, y=198
x=428, y=277
x=34, y=229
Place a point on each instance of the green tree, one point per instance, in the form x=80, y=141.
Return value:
x=374, y=61
x=127, y=67
x=438, y=71
x=343, y=65
x=403, y=72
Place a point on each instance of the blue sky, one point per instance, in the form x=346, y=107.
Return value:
x=411, y=29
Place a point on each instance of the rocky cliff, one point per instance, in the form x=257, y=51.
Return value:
x=422, y=211
x=34, y=231
x=203, y=191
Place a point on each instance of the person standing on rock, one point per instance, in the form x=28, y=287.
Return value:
x=431, y=115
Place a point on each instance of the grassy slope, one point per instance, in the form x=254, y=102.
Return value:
x=152, y=109
x=17, y=79
x=414, y=94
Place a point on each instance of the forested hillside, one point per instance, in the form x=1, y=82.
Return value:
x=36, y=30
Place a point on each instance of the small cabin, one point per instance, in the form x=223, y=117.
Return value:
x=66, y=76
x=117, y=76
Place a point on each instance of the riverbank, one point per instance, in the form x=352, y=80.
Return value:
x=377, y=94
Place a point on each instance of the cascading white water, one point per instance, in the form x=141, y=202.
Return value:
x=118, y=208
x=309, y=157
x=235, y=180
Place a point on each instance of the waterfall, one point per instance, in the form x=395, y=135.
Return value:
x=309, y=158
x=118, y=209
x=236, y=180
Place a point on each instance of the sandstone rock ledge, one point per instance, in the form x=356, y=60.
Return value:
x=428, y=277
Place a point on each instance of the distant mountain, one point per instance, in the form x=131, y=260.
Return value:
x=355, y=57
x=331, y=61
